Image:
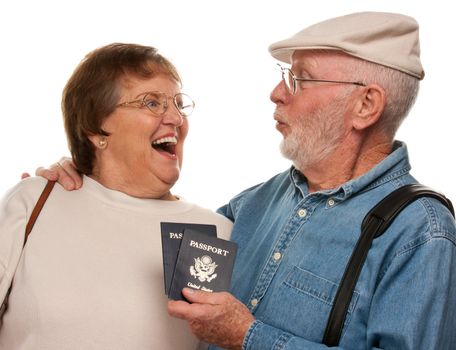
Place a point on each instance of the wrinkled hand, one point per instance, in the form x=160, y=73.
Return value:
x=216, y=318
x=64, y=172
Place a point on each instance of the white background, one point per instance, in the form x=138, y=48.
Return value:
x=220, y=49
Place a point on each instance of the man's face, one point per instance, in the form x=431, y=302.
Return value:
x=312, y=121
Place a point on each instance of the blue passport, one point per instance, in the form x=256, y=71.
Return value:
x=172, y=233
x=203, y=263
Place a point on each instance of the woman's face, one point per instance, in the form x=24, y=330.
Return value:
x=144, y=153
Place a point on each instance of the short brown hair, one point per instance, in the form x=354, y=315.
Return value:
x=93, y=91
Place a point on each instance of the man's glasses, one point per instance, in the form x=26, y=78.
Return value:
x=157, y=103
x=290, y=80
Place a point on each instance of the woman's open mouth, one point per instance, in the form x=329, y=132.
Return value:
x=166, y=144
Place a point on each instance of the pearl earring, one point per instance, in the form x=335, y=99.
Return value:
x=103, y=143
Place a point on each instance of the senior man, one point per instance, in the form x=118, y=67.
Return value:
x=352, y=81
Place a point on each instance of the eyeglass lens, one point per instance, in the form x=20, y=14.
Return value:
x=157, y=103
x=288, y=79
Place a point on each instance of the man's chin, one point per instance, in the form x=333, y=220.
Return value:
x=298, y=161
x=288, y=150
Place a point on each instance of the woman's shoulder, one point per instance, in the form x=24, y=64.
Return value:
x=26, y=190
x=207, y=216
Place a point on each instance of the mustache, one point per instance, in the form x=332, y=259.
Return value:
x=279, y=116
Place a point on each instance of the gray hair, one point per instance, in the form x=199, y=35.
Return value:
x=401, y=91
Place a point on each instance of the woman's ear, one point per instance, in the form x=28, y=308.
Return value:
x=99, y=141
x=369, y=106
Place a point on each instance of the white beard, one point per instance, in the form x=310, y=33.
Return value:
x=315, y=136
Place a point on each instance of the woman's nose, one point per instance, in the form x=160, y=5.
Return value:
x=173, y=116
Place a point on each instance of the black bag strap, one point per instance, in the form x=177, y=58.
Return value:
x=374, y=224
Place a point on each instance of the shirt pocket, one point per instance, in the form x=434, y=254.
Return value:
x=302, y=303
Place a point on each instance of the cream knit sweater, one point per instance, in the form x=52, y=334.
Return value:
x=91, y=274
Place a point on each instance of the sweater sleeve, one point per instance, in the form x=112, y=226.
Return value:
x=15, y=208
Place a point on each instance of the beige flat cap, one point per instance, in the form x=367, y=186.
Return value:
x=388, y=39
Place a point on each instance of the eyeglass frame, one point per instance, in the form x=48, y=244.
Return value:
x=142, y=103
x=295, y=79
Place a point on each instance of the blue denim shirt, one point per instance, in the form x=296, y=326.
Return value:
x=293, y=248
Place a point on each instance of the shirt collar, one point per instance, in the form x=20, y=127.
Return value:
x=394, y=165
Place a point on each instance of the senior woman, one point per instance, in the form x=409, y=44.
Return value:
x=91, y=275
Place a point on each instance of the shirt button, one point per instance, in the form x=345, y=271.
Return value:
x=277, y=256
x=254, y=302
x=302, y=213
x=331, y=202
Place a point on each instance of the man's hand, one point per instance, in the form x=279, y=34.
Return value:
x=64, y=172
x=216, y=318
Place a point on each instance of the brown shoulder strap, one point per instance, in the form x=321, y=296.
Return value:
x=38, y=206
x=36, y=211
